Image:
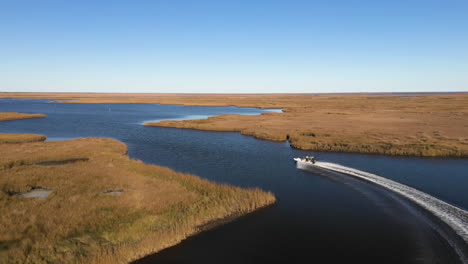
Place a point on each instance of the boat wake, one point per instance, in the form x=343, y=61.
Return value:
x=454, y=217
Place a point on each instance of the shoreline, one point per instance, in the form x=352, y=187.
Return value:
x=210, y=225
x=179, y=124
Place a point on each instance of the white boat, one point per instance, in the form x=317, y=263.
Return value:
x=306, y=159
x=309, y=164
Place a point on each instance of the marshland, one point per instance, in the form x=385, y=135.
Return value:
x=392, y=124
x=92, y=204
x=175, y=132
x=124, y=197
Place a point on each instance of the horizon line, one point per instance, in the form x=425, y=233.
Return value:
x=292, y=93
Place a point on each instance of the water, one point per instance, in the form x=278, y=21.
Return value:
x=452, y=217
x=37, y=193
x=326, y=218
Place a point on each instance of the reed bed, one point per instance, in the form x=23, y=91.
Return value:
x=423, y=125
x=104, y=207
x=7, y=116
x=20, y=138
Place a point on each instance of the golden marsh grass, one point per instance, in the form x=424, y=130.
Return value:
x=20, y=138
x=150, y=208
x=7, y=116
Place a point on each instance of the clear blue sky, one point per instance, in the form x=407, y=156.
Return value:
x=234, y=46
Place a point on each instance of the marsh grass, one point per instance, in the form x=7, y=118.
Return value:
x=421, y=125
x=7, y=116
x=78, y=223
x=416, y=125
x=20, y=138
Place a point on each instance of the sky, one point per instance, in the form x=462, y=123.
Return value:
x=227, y=46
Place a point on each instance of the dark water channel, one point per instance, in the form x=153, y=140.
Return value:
x=317, y=219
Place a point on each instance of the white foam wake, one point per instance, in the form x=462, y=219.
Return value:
x=453, y=216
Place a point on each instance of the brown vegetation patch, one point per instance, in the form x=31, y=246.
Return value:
x=78, y=224
x=7, y=116
x=20, y=138
x=47, y=163
x=59, y=162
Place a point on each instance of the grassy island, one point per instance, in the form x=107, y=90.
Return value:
x=7, y=116
x=95, y=205
x=407, y=124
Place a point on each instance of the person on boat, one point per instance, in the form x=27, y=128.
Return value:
x=309, y=159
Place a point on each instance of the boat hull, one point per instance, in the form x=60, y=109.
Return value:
x=309, y=166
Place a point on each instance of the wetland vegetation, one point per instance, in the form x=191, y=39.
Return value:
x=86, y=201
x=391, y=124
x=7, y=116
x=20, y=138
x=309, y=205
